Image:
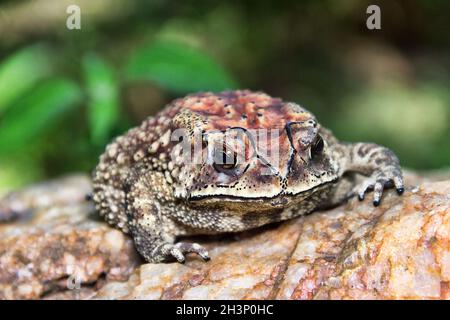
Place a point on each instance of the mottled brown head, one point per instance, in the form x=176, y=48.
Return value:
x=249, y=149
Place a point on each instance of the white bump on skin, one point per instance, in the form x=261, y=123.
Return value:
x=168, y=177
x=138, y=155
x=165, y=139
x=175, y=172
x=112, y=150
x=153, y=147
x=121, y=158
x=141, y=135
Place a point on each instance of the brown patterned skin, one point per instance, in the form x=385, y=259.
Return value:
x=144, y=186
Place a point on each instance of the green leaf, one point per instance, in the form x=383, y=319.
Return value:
x=103, y=92
x=21, y=71
x=29, y=117
x=178, y=68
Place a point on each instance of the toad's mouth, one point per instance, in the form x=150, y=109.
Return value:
x=280, y=199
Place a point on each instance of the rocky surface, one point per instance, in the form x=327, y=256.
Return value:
x=399, y=250
x=60, y=246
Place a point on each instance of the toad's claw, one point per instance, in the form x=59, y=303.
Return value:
x=378, y=182
x=179, y=249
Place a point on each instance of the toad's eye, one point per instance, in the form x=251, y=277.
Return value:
x=224, y=160
x=317, y=147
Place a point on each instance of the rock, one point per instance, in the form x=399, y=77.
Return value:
x=56, y=248
x=399, y=250
x=65, y=191
x=245, y=266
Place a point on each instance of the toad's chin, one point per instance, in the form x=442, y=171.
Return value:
x=247, y=203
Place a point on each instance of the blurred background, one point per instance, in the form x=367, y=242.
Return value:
x=65, y=93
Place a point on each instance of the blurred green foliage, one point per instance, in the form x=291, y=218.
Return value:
x=178, y=68
x=102, y=87
x=21, y=71
x=65, y=93
x=35, y=111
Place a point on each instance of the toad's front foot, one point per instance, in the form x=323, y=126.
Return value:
x=379, y=164
x=168, y=251
x=378, y=182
